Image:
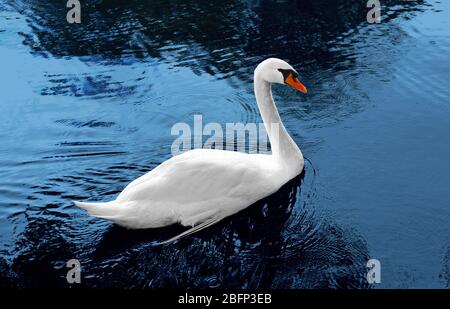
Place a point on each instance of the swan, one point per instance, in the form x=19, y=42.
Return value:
x=200, y=187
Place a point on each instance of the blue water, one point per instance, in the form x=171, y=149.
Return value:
x=87, y=108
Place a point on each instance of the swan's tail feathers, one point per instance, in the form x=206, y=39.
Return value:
x=192, y=230
x=108, y=210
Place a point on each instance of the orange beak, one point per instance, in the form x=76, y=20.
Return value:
x=295, y=83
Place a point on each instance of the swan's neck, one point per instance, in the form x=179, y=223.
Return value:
x=284, y=149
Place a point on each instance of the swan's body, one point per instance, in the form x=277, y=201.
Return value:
x=202, y=186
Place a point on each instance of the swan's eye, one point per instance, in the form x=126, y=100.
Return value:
x=287, y=73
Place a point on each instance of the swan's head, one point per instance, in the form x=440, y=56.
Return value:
x=277, y=71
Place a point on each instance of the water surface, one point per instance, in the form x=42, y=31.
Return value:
x=87, y=108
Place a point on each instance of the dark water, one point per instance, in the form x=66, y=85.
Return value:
x=87, y=108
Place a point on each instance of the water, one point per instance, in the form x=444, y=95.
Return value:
x=87, y=108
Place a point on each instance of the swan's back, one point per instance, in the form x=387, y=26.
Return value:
x=190, y=187
x=202, y=175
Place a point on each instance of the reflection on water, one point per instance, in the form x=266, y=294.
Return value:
x=87, y=108
x=251, y=250
x=273, y=244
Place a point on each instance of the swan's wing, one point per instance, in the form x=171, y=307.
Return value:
x=198, y=189
x=192, y=230
x=200, y=174
x=201, y=180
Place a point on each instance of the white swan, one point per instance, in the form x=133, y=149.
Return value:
x=200, y=187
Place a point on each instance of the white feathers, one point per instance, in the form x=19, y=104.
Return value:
x=201, y=187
